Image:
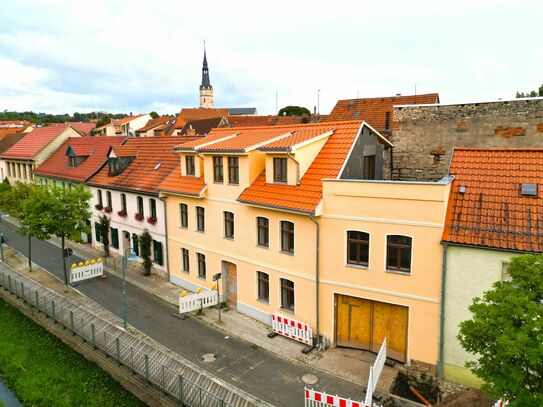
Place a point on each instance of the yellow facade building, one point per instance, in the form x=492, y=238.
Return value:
x=298, y=221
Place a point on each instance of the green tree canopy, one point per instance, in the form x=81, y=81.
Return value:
x=533, y=93
x=145, y=243
x=154, y=115
x=506, y=334
x=105, y=119
x=294, y=111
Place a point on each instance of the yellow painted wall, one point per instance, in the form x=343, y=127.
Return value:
x=470, y=272
x=244, y=252
x=382, y=208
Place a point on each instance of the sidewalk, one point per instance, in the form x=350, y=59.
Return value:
x=348, y=364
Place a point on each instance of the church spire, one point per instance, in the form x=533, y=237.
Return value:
x=206, y=90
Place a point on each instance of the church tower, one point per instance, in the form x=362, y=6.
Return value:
x=206, y=90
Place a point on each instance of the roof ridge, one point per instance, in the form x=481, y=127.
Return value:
x=276, y=126
x=498, y=149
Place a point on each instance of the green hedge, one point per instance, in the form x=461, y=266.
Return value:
x=43, y=371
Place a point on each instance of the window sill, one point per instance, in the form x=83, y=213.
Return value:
x=185, y=271
x=287, y=310
x=202, y=278
x=263, y=247
x=183, y=227
x=218, y=182
x=287, y=253
x=200, y=231
x=262, y=301
x=235, y=184
x=357, y=266
x=228, y=238
x=403, y=273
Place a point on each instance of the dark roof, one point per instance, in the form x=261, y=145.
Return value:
x=203, y=126
x=10, y=139
x=241, y=110
x=487, y=207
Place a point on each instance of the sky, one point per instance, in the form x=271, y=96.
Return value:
x=136, y=56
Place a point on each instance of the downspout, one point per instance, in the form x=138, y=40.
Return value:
x=318, y=337
x=297, y=168
x=166, y=238
x=442, y=311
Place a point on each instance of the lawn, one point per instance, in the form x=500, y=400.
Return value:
x=43, y=371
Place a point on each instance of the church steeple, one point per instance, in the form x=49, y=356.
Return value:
x=206, y=90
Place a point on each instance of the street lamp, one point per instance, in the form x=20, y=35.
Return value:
x=126, y=258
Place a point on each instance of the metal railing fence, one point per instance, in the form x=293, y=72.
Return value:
x=94, y=332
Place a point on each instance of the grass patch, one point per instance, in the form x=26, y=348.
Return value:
x=43, y=371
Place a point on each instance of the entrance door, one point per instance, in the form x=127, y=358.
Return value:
x=231, y=280
x=363, y=324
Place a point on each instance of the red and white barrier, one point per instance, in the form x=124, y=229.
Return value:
x=501, y=403
x=375, y=372
x=193, y=302
x=320, y=399
x=291, y=328
x=84, y=271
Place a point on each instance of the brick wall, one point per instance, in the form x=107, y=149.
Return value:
x=426, y=135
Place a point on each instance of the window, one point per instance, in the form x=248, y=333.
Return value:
x=217, y=169
x=200, y=219
x=140, y=205
x=387, y=120
x=287, y=294
x=229, y=225
x=157, y=252
x=184, y=215
x=369, y=167
x=233, y=170
x=108, y=196
x=72, y=161
x=280, y=170
x=100, y=201
x=115, y=238
x=263, y=231
x=201, y=265
x=97, y=232
x=189, y=161
x=152, y=207
x=287, y=236
x=263, y=286
x=358, y=247
x=186, y=261
x=123, y=202
x=399, y=253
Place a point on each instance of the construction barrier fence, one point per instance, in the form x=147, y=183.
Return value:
x=291, y=328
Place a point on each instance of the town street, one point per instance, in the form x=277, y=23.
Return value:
x=246, y=366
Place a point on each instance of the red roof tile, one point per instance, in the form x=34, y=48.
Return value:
x=297, y=137
x=83, y=128
x=185, y=185
x=34, y=141
x=156, y=123
x=94, y=148
x=326, y=164
x=491, y=212
x=374, y=110
x=143, y=174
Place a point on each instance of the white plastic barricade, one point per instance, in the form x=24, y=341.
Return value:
x=320, y=399
x=291, y=328
x=193, y=302
x=84, y=271
x=375, y=372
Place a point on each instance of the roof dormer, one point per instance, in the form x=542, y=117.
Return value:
x=76, y=158
x=120, y=157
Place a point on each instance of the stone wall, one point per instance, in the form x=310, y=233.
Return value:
x=426, y=135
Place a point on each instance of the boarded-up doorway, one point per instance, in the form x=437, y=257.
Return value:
x=230, y=275
x=363, y=324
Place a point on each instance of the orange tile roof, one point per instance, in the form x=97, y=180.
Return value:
x=297, y=137
x=141, y=174
x=83, y=128
x=373, y=110
x=188, y=114
x=94, y=148
x=491, y=212
x=119, y=122
x=184, y=185
x=159, y=122
x=10, y=130
x=34, y=141
x=326, y=164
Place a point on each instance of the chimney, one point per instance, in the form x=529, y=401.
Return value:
x=130, y=113
x=191, y=131
x=315, y=110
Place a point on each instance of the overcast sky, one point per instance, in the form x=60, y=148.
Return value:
x=138, y=56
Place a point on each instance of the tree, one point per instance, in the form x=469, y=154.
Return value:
x=105, y=119
x=533, y=93
x=145, y=242
x=70, y=212
x=293, y=111
x=103, y=228
x=154, y=115
x=506, y=333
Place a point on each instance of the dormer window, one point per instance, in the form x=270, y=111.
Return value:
x=73, y=159
x=280, y=170
x=189, y=161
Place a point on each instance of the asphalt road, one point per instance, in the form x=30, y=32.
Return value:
x=245, y=365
